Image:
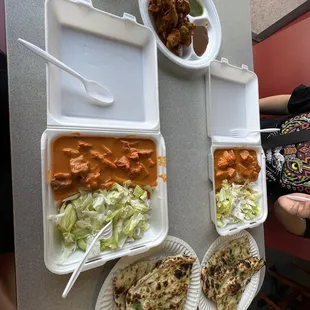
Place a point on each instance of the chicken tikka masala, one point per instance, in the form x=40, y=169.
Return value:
x=98, y=162
x=235, y=166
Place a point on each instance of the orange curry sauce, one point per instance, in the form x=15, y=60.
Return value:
x=235, y=166
x=99, y=162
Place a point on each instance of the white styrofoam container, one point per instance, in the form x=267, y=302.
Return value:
x=53, y=239
x=232, y=102
x=117, y=52
x=189, y=59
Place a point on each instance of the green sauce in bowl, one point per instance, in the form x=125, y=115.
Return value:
x=196, y=8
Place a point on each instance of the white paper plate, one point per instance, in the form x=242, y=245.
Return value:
x=170, y=247
x=189, y=59
x=251, y=288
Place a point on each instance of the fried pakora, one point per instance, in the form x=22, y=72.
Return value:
x=171, y=22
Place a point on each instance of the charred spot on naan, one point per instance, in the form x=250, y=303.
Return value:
x=165, y=287
x=128, y=277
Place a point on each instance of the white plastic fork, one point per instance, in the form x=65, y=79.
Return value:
x=56, y=216
x=104, y=233
x=242, y=132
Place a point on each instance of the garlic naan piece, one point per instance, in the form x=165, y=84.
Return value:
x=128, y=277
x=236, y=250
x=216, y=268
x=227, y=273
x=230, y=293
x=164, y=288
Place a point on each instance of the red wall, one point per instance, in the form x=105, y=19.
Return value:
x=282, y=61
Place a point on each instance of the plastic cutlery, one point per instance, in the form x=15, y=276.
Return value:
x=242, y=132
x=99, y=94
x=56, y=216
x=104, y=233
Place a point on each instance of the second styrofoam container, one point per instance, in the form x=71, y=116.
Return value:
x=232, y=102
x=260, y=184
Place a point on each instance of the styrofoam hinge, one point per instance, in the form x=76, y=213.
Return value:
x=245, y=67
x=225, y=60
x=129, y=17
x=84, y=2
x=102, y=129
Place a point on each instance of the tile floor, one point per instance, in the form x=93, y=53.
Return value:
x=283, y=263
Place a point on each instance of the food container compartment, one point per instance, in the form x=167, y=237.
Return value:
x=122, y=55
x=232, y=102
x=52, y=237
x=188, y=58
x=115, y=51
x=260, y=185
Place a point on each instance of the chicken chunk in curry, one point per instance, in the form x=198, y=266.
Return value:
x=235, y=166
x=98, y=162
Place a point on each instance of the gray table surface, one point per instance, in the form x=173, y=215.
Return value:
x=183, y=125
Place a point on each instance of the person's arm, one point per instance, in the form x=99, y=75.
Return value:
x=274, y=105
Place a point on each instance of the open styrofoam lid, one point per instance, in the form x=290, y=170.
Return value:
x=232, y=102
x=117, y=52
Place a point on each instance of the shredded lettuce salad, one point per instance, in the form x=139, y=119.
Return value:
x=83, y=215
x=236, y=203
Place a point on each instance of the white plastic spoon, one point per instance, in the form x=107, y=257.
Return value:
x=100, y=95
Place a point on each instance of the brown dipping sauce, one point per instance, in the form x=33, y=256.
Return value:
x=200, y=40
x=98, y=162
x=235, y=166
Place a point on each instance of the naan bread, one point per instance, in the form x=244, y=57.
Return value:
x=239, y=276
x=212, y=284
x=236, y=250
x=230, y=293
x=128, y=277
x=227, y=273
x=216, y=268
x=164, y=288
x=229, y=302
